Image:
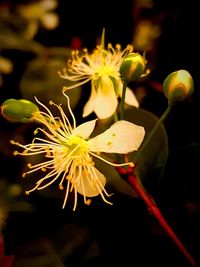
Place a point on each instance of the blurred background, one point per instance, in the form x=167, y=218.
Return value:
x=36, y=38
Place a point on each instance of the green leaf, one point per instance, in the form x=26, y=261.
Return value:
x=152, y=159
x=150, y=162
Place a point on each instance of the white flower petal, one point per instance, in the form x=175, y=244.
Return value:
x=85, y=129
x=89, y=107
x=130, y=98
x=122, y=137
x=92, y=183
x=106, y=100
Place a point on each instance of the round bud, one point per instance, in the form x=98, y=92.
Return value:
x=178, y=86
x=132, y=67
x=18, y=110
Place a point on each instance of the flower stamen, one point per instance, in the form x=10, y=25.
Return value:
x=67, y=152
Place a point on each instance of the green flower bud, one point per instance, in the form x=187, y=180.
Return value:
x=18, y=110
x=132, y=67
x=178, y=86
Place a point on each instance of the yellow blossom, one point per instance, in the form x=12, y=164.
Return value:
x=36, y=13
x=101, y=68
x=68, y=152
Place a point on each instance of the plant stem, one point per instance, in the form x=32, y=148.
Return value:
x=115, y=117
x=140, y=190
x=159, y=122
x=123, y=100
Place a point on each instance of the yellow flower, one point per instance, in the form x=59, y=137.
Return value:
x=101, y=68
x=68, y=152
x=36, y=13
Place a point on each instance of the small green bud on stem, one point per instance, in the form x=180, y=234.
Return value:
x=132, y=67
x=178, y=86
x=18, y=110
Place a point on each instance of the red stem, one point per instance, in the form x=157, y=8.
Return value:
x=132, y=179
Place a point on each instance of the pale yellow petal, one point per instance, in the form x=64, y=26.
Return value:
x=106, y=100
x=130, y=98
x=85, y=129
x=122, y=137
x=92, y=183
x=89, y=107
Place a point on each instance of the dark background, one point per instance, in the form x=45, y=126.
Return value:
x=125, y=233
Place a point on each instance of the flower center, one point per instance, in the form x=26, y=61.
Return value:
x=105, y=70
x=76, y=146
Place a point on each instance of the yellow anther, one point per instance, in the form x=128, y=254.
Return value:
x=27, y=192
x=12, y=142
x=113, y=135
x=118, y=46
x=35, y=132
x=61, y=187
x=129, y=48
x=48, y=153
x=24, y=174
x=131, y=164
x=88, y=201
x=15, y=153
x=50, y=102
x=86, y=173
x=109, y=143
x=29, y=165
x=43, y=169
x=68, y=177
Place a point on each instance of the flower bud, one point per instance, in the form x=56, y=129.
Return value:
x=18, y=110
x=132, y=67
x=178, y=86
